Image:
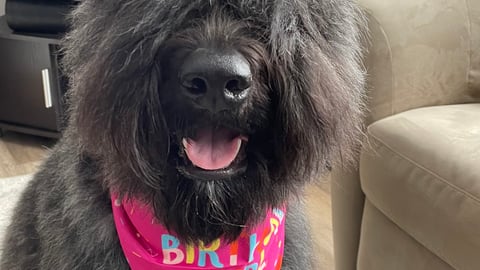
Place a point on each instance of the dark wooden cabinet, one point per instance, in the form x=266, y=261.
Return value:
x=31, y=86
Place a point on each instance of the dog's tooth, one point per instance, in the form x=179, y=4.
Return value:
x=239, y=145
x=185, y=143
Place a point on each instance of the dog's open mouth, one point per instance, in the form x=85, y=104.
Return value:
x=214, y=153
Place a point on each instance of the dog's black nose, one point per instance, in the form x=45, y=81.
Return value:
x=215, y=80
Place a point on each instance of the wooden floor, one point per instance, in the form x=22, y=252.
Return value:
x=319, y=209
x=22, y=154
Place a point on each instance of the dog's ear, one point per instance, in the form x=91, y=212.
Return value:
x=114, y=87
x=117, y=115
x=320, y=90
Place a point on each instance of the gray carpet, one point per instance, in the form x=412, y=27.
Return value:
x=10, y=191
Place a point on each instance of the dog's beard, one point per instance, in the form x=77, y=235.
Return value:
x=206, y=210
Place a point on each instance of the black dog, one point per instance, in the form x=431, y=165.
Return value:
x=209, y=113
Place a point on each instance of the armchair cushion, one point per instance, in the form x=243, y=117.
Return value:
x=421, y=169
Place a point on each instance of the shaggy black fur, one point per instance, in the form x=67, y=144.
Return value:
x=303, y=113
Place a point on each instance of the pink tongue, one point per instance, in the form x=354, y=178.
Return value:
x=213, y=149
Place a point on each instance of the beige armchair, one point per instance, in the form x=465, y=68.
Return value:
x=414, y=202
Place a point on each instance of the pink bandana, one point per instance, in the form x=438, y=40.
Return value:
x=149, y=246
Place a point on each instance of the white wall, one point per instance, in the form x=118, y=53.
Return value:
x=2, y=7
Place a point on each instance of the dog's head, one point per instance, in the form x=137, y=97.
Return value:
x=212, y=111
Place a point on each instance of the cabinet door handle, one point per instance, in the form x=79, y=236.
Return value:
x=46, y=88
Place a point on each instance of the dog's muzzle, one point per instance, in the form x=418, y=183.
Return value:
x=218, y=82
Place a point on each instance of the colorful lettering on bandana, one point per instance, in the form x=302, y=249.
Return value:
x=148, y=245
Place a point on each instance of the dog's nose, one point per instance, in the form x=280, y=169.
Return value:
x=215, y=80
